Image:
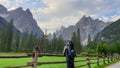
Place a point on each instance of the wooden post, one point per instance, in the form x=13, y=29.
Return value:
x=88, y=61
x=97, y=60
x=117, y=56
x=108, y=58
x=114, y=57
x=104, y=59
x=35, y=57
x=111, y=58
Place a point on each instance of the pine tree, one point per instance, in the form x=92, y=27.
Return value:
x=91, y=45
x=75, y=41
x=1, y=39
x=24, y=42
x=54, y=43
x=60, y=44
x=89, y=41
x=16, y=41
x=43, y=44
x=30, y=42
x=9, y=36
x=79, y=46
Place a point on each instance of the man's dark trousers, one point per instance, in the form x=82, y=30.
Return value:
x=70, y=62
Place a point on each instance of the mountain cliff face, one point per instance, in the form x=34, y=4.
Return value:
x=3, y=23
x=3, y=9
x=86, y=25
x=110, y=34
x=23, y=20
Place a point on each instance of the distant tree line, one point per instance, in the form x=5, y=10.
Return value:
x=102, y=48
x=12, y=40
x=106, y=49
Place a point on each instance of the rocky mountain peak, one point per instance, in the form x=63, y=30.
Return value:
x=3, y=9
x=85, y=21
x=85, y=17
x=23, y=21
x=62, y=28
x=28, y=12
x=87, y=25
x=19, y=9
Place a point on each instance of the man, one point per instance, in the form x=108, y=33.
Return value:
x=70, y=54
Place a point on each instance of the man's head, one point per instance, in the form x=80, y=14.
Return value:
x=70, y=44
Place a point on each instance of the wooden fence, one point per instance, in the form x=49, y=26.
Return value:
x=35, y=54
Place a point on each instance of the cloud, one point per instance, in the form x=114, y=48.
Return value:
x=55, y=23
x=102, y=9
x=115, y=17
x=68, y=12
x=6, y=3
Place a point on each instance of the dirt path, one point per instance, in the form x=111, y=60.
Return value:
x=116, y=65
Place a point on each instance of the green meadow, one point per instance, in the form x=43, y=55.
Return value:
x=9, y=62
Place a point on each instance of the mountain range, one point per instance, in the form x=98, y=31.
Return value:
x=87, y=26
x=23, y=20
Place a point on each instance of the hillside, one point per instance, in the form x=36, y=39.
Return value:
x=110, y=34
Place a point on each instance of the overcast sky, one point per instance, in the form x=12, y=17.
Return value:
x=52, y=14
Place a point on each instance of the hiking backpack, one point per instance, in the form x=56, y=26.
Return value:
x=72, y=53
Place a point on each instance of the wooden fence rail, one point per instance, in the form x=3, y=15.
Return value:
x=15, y=56
x=88, y=59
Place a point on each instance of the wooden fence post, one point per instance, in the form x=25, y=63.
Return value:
x=104, y=59
x=108, y=58
x=88, y=61
x=115, y=57
x=111, y=58
x=35, y=57
x=97, y=60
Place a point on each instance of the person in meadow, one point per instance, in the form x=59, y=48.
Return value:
x=70, y=54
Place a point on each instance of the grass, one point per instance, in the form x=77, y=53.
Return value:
x=8, y=62
x=107, y=64
x=12, y=54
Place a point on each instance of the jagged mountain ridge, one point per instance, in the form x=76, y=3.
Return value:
x=87, y=25
x=23, y=20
